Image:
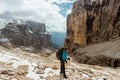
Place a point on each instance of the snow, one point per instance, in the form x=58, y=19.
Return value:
x=30, y=31
x=85, y=76
x=13, y=58
x=82, y=71
x=31, y=73
x=4, y=22
x=6, y=57
x=4, y=40
x=13, y=79
x=9, y=57
x=50, y=72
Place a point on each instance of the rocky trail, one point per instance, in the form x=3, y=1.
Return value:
x=16, y=64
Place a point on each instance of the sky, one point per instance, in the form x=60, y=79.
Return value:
x=51, y=12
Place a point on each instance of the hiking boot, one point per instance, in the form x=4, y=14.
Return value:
x=65, y=77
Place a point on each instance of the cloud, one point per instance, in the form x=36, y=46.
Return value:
x=6, y=15
x=44, y=11
x=61, y=1
x=68, y=11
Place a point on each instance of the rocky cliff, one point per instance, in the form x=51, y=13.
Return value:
x=91, y=22
x=27, y=33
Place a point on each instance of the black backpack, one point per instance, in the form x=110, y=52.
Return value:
x=59, y=53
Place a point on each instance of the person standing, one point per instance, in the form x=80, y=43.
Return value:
x=63, y=59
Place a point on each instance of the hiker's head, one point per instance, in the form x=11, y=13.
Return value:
x=66, y=48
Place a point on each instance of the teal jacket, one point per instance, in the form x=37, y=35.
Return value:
x=64, y=55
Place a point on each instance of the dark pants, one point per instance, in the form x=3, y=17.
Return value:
x=62, y=68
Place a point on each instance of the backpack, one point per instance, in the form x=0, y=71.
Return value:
x=59, y=53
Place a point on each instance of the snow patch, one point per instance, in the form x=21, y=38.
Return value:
x=85, y=76
x=6, y=57
x=17, y=61
x=50, y=72
x=32, y=72
x=4, y=39
x=30, y=31
x=9, y=57
x=4, y=22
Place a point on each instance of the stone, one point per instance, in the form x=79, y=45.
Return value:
x=40, y=71
x=7, y=71
x=22, y=70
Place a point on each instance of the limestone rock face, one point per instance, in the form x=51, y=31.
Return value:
x=93, y=21
x=91, y=25
x=27, y=34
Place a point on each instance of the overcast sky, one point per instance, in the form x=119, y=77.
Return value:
x=51, y=12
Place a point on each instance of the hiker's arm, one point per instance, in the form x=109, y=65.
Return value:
x=67, y=58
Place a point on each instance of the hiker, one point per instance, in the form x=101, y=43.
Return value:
x=63, y=59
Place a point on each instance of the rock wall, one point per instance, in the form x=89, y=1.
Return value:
x=27, y=34
x=93, y=21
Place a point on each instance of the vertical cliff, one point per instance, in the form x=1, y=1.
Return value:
x=93, y=21
x=93, y=32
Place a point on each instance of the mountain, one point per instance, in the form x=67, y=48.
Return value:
x=58, y=38
x=26, y=33
x=92, y=24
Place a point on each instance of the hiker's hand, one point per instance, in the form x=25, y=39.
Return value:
x=68, y=58
x=66, y=61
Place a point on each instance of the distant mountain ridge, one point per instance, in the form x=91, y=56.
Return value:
x=27, y=33
x=58, y=38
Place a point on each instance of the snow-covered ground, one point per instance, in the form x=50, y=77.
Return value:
x=9, y=57
x=16, y=64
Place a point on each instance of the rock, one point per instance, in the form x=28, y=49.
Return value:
x=94, y=22
x=22, y=70
x=4, y=77
x=27, y=34
x=4, y=72
x=41, y=77
x=52, y=78
x=55, y=67
x=41, y=66
x=7, y=71
x=40, y=71
x=14, y=79
x=11, y=73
